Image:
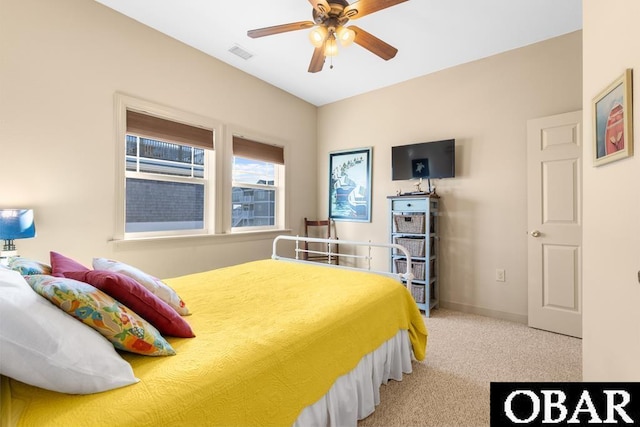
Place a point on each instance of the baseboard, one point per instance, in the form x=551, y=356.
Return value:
x=496, y=314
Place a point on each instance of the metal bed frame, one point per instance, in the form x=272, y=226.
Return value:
x=406, y=276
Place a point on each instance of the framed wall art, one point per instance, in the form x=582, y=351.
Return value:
x=350, y=185
x=613, y=121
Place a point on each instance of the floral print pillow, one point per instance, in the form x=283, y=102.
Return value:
x=125, y=329
x=26, y=266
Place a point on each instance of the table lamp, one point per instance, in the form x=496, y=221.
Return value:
x=15, y=224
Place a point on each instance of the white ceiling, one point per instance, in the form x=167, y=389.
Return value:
x=430, y=35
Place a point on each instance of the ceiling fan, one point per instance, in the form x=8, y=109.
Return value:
x=329, y=19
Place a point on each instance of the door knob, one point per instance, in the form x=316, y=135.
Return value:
x=536, y=233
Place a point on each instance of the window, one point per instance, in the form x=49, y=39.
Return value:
x=166, y=175
x=155, y=199
x=258, y=183
x=176, y=177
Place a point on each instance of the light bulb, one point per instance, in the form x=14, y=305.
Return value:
x=318, y=36
x=331, y=47
x=346, y=36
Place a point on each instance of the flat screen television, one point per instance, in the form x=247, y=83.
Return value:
x=428, y=160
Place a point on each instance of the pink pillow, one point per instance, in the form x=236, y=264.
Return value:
x=60, y=264
x=155, y=285
x=128, y=292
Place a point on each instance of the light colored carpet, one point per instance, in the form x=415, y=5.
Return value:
x=465, y=353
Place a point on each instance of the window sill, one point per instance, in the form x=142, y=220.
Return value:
x=209, y=238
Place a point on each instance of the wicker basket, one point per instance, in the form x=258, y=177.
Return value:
x=417, y=268
x=409, y=223
x=414, y=245
x=418, y=293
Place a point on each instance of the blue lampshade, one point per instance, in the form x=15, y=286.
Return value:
x=16, y=224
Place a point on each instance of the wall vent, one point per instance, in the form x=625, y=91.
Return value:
x=241, y=52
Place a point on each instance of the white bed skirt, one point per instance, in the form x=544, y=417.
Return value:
x=354, y=396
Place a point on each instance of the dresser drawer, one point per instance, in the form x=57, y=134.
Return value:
x=409, y=205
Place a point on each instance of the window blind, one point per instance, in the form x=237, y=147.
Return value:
x=243, y=147
x=167, y=130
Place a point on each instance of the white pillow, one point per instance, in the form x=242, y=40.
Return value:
x=43, y=346
x=153, y=284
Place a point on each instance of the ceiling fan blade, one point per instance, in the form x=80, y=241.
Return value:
x=373, y=44
x=277, y=29
x=321, y=6
x=317, y=60
x=364, y=7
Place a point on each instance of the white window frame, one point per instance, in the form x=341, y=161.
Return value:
x=122, y=104
x=282, y=200
x=279, y=188
x=218, y=170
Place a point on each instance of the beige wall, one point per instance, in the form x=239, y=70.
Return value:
x=611, y=343
x=60, y=64
x=484, y=105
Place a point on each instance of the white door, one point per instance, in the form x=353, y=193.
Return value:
x=554, y=167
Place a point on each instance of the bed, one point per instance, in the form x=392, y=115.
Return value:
x=277, y=342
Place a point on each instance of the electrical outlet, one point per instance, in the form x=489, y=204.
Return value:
x=500, y=275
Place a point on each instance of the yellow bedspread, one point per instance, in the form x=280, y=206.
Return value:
x=271, y=338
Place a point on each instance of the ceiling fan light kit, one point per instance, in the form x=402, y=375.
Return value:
x=317, y=36
x=330, y=46
x=329, y=20
x=346, y=36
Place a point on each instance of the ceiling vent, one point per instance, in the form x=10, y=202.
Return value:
x=237, y=50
